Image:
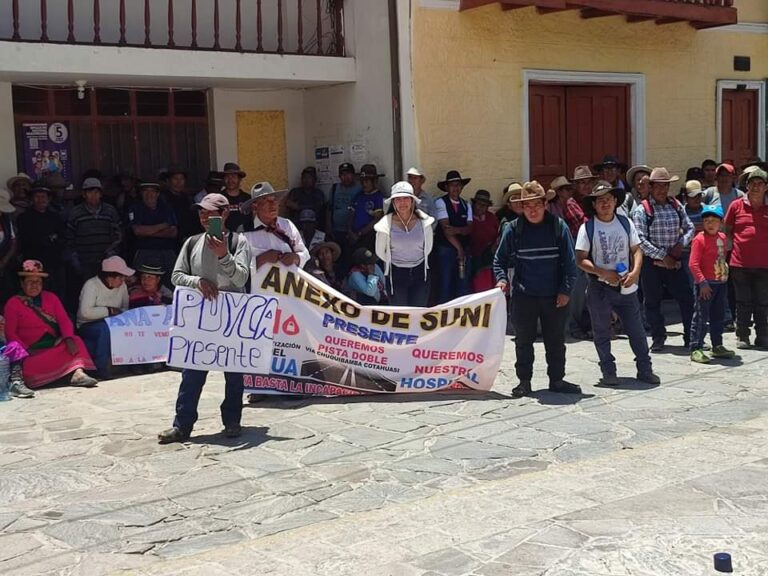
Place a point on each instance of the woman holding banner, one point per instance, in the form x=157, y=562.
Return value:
x=102, y=296
x=403, y=243
x=36, y=319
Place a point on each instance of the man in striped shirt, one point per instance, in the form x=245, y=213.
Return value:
x=539, y=247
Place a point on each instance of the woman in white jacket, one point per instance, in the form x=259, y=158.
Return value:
x=403, y=243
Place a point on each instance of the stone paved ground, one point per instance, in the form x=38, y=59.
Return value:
x=634, y=481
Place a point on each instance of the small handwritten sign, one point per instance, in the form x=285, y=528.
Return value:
x=232, y=333
x=140, y=336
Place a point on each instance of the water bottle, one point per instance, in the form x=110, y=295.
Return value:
x=5, y=379
x=622, y=271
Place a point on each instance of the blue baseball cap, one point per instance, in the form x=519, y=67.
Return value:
x=708, y=210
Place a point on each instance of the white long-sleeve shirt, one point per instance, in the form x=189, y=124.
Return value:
x=96, y=300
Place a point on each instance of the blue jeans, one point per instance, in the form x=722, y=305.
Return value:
x=654, y=280
x=712, y=311
x=407, y=286
x=97, y=341
x=451, y=286
x=602, y=300
x=192, y=382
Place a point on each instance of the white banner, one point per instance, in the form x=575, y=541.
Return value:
x=327, y=344
x=232, y=333
x=140, y=336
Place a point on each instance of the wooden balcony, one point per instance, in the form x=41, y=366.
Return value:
x=699, y=13
x=306, y=27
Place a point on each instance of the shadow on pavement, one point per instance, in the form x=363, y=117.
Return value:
x=251, y=437
x=283, y=402
x=629, y=384
x=547, y=398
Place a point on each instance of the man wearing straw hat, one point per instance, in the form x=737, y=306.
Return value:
x=665, y=230
x=540, y=248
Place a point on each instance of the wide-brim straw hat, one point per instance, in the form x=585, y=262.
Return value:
x=635, y=169
x=332, y=246
x=609, y=160
x=559, y=182
x=20, y=177
x=513, y=191
x=534, y=191
x=601, y=189
x=661, y=174
x=5, y=202
x=32, y=268
x=261, y=190
x=582, y=173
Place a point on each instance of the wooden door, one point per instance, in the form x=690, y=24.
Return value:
x=739, y=126
x=547, y=132
x=583, y=124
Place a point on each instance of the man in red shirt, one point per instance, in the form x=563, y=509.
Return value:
x=746, y=224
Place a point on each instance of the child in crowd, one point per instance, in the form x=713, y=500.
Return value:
x=710, y=275
x=365, y=283
x=14, y=353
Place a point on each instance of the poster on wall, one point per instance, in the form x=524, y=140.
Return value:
x=47, y=149
x=327, y=162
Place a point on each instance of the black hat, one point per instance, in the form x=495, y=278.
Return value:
x=172, y=170
x=311, y=170
x=452, y=176
x=214, y=177
x=346, y=167
x=609, y=160
x=152, y=270
x=232, y=168
x=369, y=171
x=363, y=256
x=757, y=161
x=601, y=188
x=149, y=184
x=483, y=196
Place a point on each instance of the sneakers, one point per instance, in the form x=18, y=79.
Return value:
x=657, y=345
x=742, y=343
x=172, y=435
x=649, y=378
x=563, y=387
x=20, y=390
x=609, y=381
x=722, y=352
x=700, y=357
x=522, y=389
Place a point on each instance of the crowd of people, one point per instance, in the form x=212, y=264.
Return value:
x=590, y=255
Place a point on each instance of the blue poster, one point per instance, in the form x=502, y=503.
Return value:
x=47, y=150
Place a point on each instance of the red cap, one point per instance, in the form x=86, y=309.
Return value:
x=727, y=167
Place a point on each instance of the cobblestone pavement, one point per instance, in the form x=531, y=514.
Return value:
x=634, y=481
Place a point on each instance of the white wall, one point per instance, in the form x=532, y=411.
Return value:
x=225, y=104
x=361, y=111
x=8, y=166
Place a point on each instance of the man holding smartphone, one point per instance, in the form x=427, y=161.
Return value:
x=215, y=261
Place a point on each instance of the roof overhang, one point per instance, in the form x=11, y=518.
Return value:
x=698, y=13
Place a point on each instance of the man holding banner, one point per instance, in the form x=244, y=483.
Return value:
x=210, y=263
x=538, y=246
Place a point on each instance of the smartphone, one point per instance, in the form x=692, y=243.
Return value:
x=214, y=227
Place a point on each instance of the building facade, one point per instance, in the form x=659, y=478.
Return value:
x=515, y=89
x=139, y=85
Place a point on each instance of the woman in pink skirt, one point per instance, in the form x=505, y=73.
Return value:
x=36, y=319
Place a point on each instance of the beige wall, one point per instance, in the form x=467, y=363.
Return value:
x=752, y=10
x=468, y=70
x=7, y=135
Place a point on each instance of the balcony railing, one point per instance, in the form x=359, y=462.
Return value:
x=309, y=27
x=699, y=13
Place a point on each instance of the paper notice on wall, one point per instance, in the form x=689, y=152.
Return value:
x=323, y=164
x=358, y=152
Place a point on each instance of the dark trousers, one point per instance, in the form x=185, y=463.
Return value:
x=192, y=382
x=408, y=287
x=528, y=310
x=450, y=285
x=602, y=300
x=751, y=285
x=655, y=279
x=97, y=340
x=710, y=311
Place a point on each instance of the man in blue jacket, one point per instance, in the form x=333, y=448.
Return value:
x=539, y=248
